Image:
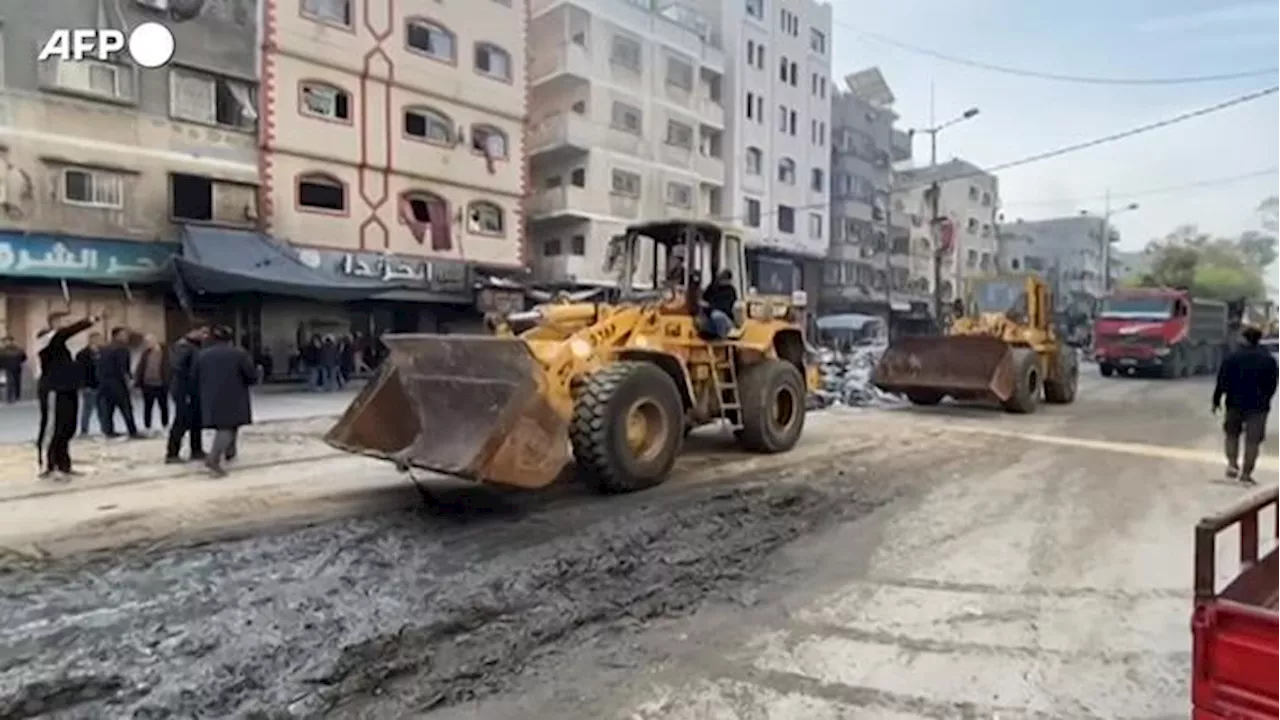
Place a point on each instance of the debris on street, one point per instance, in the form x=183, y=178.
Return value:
x=846, y=378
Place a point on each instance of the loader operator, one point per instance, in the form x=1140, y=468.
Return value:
x=718, y=301
x=1247, y=381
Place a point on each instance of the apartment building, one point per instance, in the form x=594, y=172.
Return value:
x=865, y=272
x=627, y=124
x=393, y=151
x=104, y=161
x=1067, y=251
x=968, y=208
x=778, y=99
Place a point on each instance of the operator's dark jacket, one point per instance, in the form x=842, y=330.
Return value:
x=721, y=296
x=1247, y=379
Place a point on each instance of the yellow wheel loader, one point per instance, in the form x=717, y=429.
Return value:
x=613, y=386
x=1002, y=347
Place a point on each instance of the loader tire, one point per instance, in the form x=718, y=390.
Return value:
x=628, y=427
x=1026, y=391
x=772, y=394
x=1062, y=391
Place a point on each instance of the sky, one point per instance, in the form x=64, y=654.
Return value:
x=1106, y=38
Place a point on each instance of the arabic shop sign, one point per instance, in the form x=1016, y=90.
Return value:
x=443, y=276
x=59, y=258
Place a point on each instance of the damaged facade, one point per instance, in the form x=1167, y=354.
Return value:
x=101, y=160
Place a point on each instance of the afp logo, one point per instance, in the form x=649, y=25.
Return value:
x=150, y=45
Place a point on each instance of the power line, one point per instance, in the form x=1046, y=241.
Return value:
x=1057, y=77
x=1066, y=149
x=1166, y=190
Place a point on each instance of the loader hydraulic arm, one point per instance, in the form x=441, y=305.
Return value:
x=585, y=351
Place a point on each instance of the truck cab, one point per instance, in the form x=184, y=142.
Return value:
x=1159, y=331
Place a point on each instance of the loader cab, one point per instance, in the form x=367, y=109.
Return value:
x=674, y=259
x=1022, y=299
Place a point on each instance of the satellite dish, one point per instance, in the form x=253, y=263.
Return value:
x=184, y=10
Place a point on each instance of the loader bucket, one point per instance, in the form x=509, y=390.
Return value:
x=468, y=406
x=962, y=366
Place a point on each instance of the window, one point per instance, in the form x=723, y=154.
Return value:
x=794, y=75
x=325, y=101
x=626, y=183
x=1015, y=264
x=679, y=135
x=973, y=192
x=751, y=52
x=986, y=199
x=485, y=218
x=92, y=76
x=627, y=118
x=817, y=41
x=92, y=188
x=679, y=195
x=815, y=226
x=333, y=12
x=760, y=109
x=782, y=68
x=817, y=180
x=972, y=259
x=759, y=60
x=787, y=171
x=751, y=106
x=321, y=193
x=578, y=177
x=489, y=141
x=423, y=208
x=551, y=248
x=782, y=117
x=430, y=125
x=752, y=207
x=755, y=161
x=190, y=197
x=204, y=98
x=755, y=8
x=430, y=39
x=679, y=73
x=493, y=62
x=578, y=245
x=793, y=123
x=625, y=52
x=972, y=225
x=786, y=219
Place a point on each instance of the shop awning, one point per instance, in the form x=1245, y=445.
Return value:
x=222, y=261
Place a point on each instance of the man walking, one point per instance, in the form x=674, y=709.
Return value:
x=186, y=395
x=12, y=358
x=114, y=384
x=224, y=374
x=1247, y=380
x=61, y=379
x=87, y=364
x=152, y=378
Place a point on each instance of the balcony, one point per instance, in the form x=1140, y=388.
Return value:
x=709, y=169
x=566, y=64
x=556, y=202
x=710, y=112
x=900, y=146
x=562, y=135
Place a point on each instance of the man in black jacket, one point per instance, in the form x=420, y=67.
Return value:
x=87, y=362
x=61, y=379
x=1247, y=380
x=186, y=395
x=719, y=300
x=114, y=382
x=224, y=375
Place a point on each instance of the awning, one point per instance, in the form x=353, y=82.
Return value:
x=222, y=261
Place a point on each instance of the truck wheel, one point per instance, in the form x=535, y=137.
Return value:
x=1106, y=370
x=922, y=397
x=1026, y=392
x=627, y=430
x=772, y=394
x=1062, y=390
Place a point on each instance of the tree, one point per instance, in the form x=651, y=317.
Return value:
x=1221, y=268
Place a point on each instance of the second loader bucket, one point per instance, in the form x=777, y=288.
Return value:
x=966, y=367
x=469, y=406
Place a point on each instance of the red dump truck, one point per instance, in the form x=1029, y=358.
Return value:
x=1161, y=331
x=1235, y=630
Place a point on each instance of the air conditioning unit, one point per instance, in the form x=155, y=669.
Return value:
x=162, y=5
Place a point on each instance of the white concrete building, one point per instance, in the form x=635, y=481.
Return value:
x=627, y=123
x=969, y=204
x=778, y=103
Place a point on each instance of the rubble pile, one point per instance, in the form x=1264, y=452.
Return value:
x=846, y=377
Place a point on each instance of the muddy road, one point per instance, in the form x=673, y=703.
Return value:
x=957, y=563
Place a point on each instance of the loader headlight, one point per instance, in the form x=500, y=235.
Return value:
x=580, y=348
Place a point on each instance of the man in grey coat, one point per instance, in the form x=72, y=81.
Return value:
x=223, y=375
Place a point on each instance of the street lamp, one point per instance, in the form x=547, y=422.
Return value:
x=1107, y=213
x=934, y=192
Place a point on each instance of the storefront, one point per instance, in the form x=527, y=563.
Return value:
x=276, y=297
x=121, y=281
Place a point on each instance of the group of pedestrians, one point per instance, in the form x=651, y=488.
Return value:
x=204, y=374
x=331, y=362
